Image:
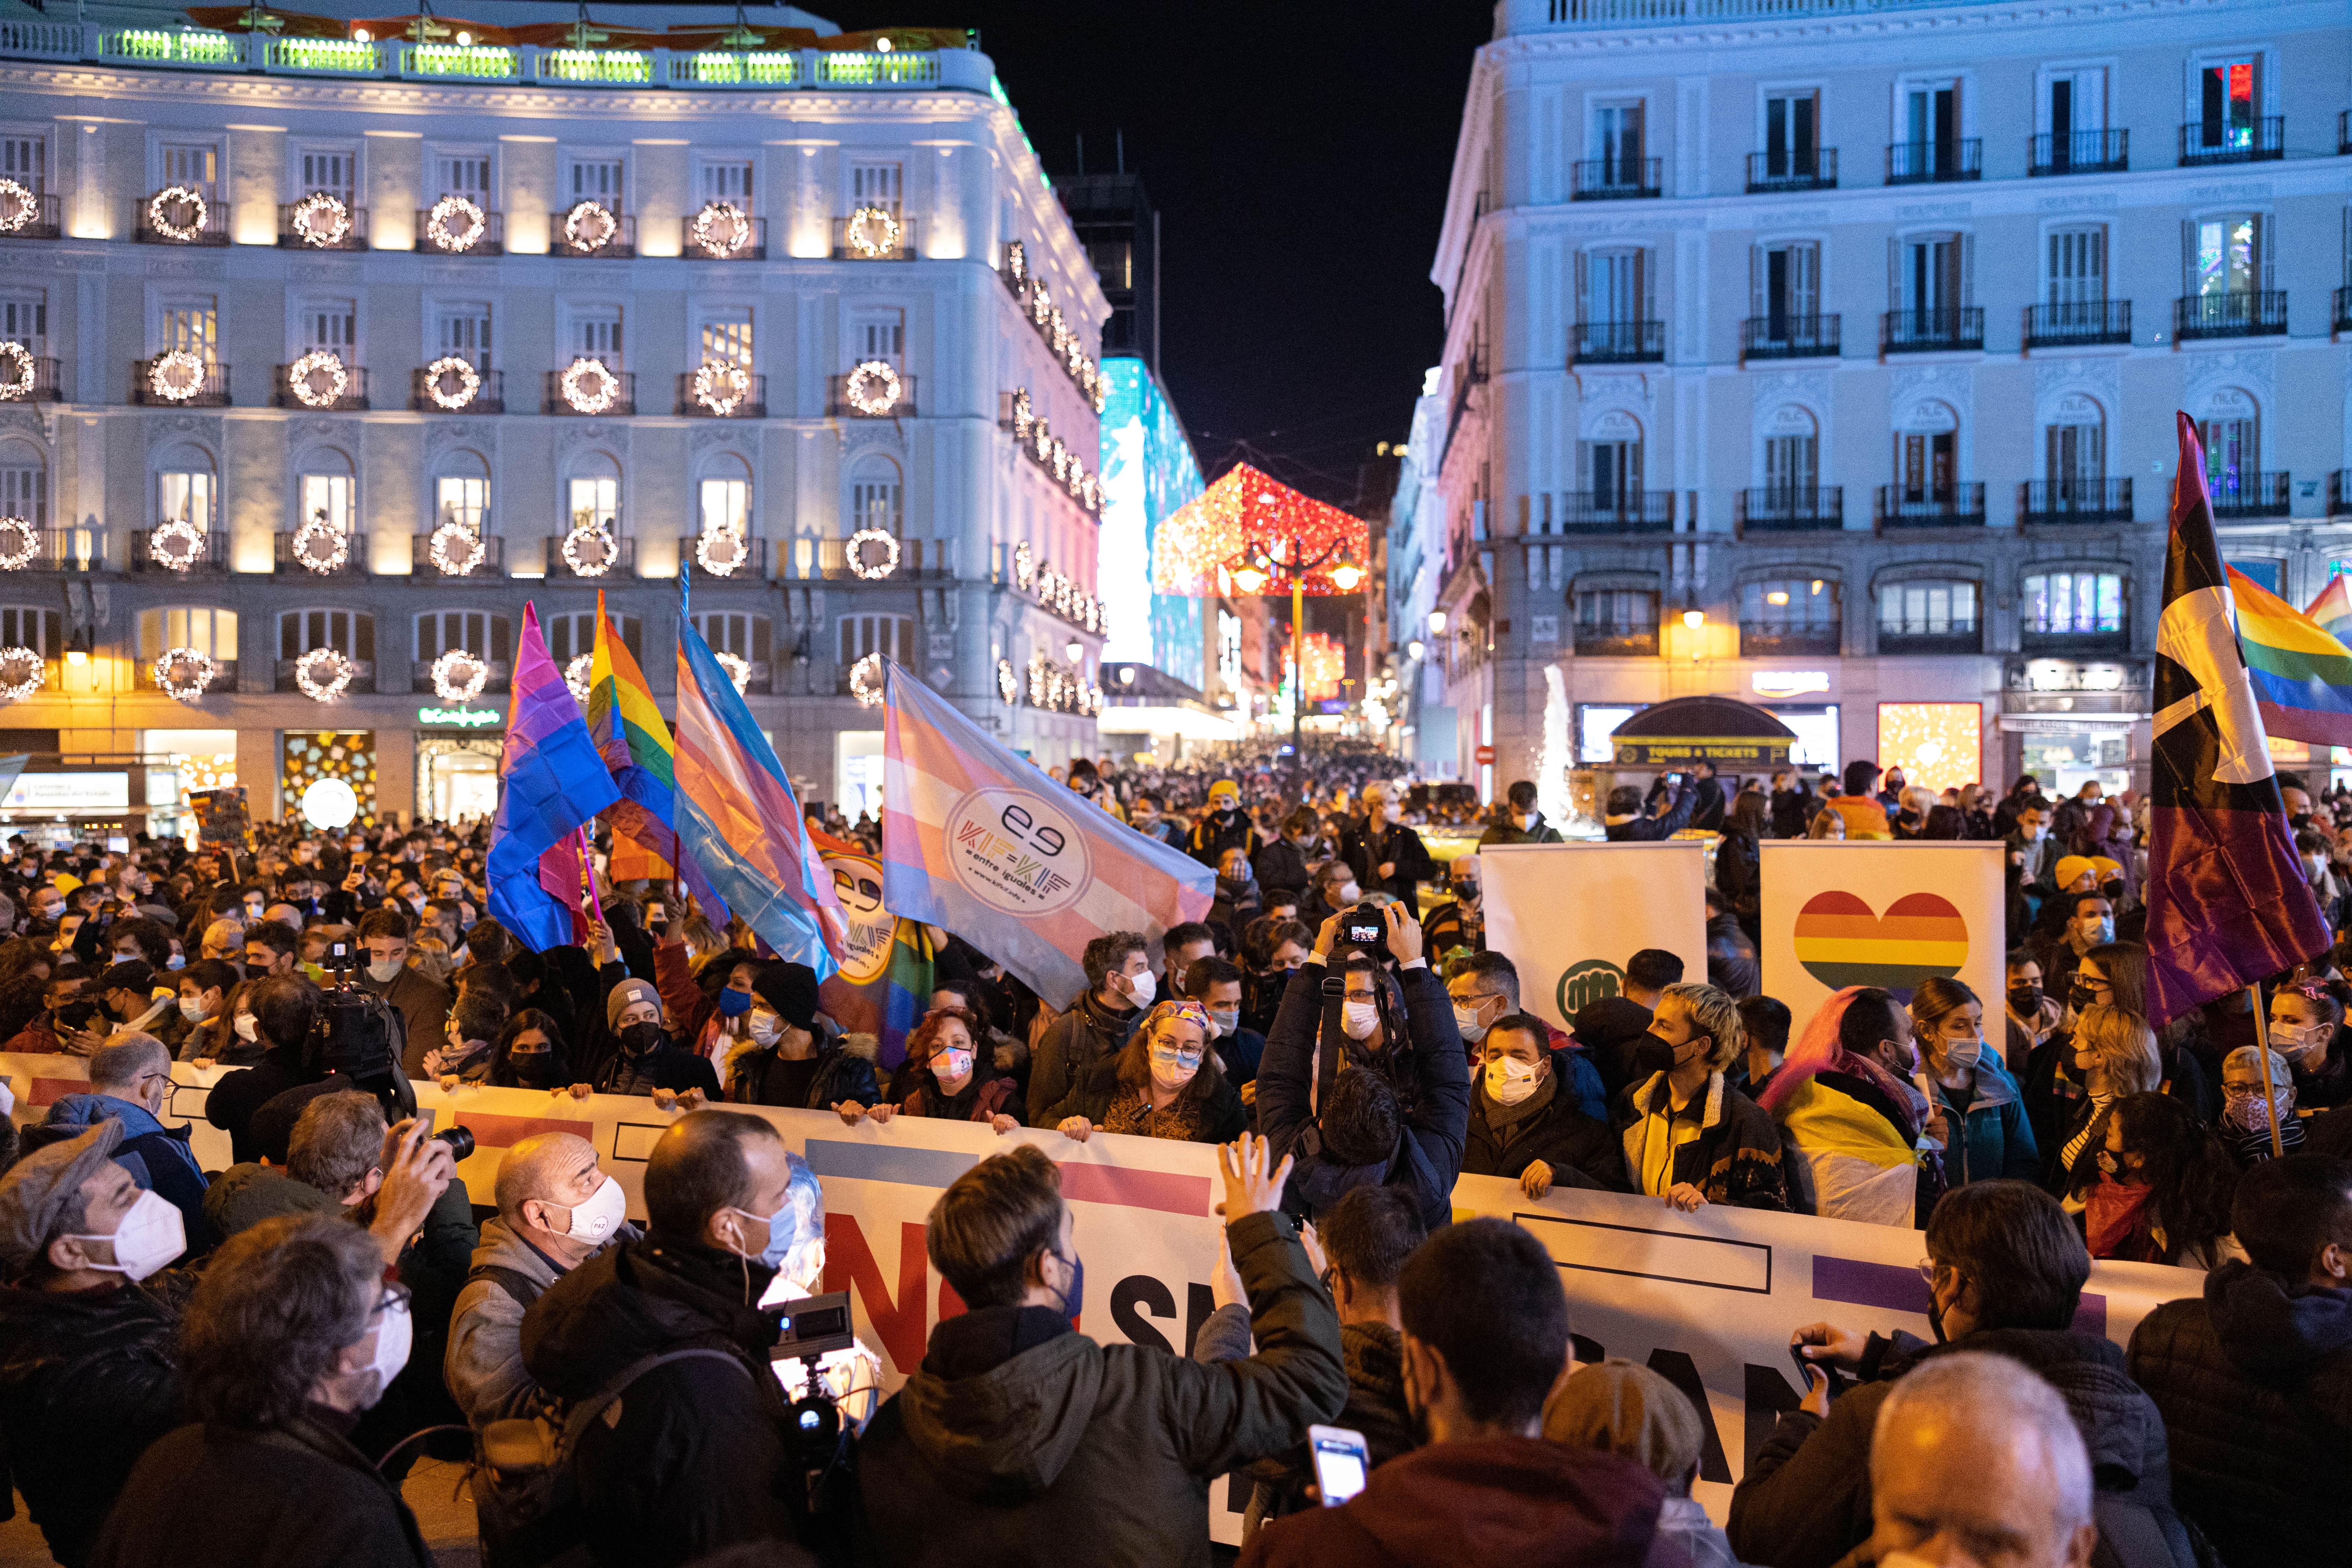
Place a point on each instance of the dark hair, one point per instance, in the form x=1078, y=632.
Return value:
x=991, y=1221
x=1210, y=972
x=384, y=922
x=1370, y=1231
x=272, y=1315
x=154, y=941
x=1860, y=774
x=1107, y=954
x=480, y=1017
x=1766, y=1019
x=1523, y=795
x=1524, y=1023
x=1288, y=930
x=924, y=1038
x=1495, y=973
x=284, y=1006
x=2287, y=1210
x=1945, y=822
x=22, y=1000
x=336, y=1141
x=2025, y=1254
x=698, y=1168
x=1871, y=1015
x=1179, y=935
x=1359, y=1119
x=502, y=1073
x=1750, y=812
x=208, y=974
x=1654, y=969
x=2191, y=1173
x=495, y=981
x=1934, y=999
x=2018, y=957
x=271, y=934
x=1625, y=800
x=2074, y=902
x=2125, y=966
x=1302, y=819
x=1486, y=1296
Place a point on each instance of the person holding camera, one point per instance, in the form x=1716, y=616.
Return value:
x=1364, y=1077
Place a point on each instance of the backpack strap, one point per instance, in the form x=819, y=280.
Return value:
x=577, y=1418
x=522, y=1286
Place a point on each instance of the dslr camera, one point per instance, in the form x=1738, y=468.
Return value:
x=1365, y=926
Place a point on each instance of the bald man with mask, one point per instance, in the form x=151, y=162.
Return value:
x=557, y=1208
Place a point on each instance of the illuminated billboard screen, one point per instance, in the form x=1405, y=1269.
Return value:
x=1937, y=744
x=1148, y=471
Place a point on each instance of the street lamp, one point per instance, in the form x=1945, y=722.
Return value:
x=1255, y=572
x=1413, y=650
x=1436, y=622
x=1075, y=648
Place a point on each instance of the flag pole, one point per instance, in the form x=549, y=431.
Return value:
x=2262, y=1038
x=588, y=896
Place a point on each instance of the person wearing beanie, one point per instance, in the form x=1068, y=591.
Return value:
x=648, y=1060
x=797, y=1057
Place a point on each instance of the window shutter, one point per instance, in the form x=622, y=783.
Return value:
x=1757, y=307
x=1895, y=273
x=2189, y=258
x=2266, y=263
x=1965, y=294
x=1584, y=286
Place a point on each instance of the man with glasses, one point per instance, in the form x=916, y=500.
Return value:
x=131, y=1082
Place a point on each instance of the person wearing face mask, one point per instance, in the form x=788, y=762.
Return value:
x=131, y=1082
x=2005, y=1270
x=1386, y=856
x=1983, y=1125
x=2113, y=1055
x=1237, y=901
x=646, y=1058
x=1216, y=985
x=422, y=1002
x=531, y=1053
x=2032, y=867
x=696, y=1459
x=1119, y=986
x=1519, y=822
x=1459, y=923
x=292, y=1336
x=1225, y=826
x=795, y=1058
x=1484, y=987
x=1688, y=1137
x=2084, y=920
x=1525, y=1126
x=2308, y=1028
x=1284, y=866
x=1181, y=947
x=947, y=1077
x=557, y=1208
x=2030, y=1012
x=1167, y=1083
x=2247, y=1111
x=1335, y=888
x=464, y=1055
x=2163, y=1189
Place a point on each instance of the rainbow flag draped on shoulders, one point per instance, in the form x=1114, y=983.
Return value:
x=2302, y=675
x=636, y=745
x=550, y=782
x=737, y=821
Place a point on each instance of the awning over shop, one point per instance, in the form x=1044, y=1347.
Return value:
x=1691, y=730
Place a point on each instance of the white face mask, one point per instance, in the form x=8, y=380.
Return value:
x=1225, y=1024
x=244, y=1027
x=1359, y=1019
x=395, y=1334
x=1143, y=987
x=1395, y=812
x=596, y=1216
x=192, y=1010
x=150, y=1235
x=1350, y=893
x=1962, y=1056
x=763, y=1027
x=1510, y=1080
x=1465, y=1020
x=387, y=971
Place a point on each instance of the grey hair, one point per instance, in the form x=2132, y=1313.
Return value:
x=1988, y=1392
x=276, y=1306
x=2251, y=1058
x=336, y=1141
x=123, y=1060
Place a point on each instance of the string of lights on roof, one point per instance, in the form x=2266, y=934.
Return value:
x=1036, y=297
x=1058, y=593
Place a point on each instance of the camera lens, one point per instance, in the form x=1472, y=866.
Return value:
x=460, y=1140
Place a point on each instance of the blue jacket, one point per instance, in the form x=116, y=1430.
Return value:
x=1996, y=1140
x=156, y=1156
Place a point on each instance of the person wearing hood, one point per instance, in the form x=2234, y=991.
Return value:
x=1119, y=986
x=422, y=1002
x=696, y=1459
x=1525, y=1126
x=790, y=1062
x=1519, y=822
x=648, y=1060
x=1282, y=866
x=1167, y=1083
x=2254, y=1377
x=1628, y=822
x=961, y=1466
x=131, y=1082
x=1225, y=826
x=1485, y=1340
x=1979, y=1115
x=2007, y=1269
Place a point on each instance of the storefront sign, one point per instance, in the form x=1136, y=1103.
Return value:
x=459, y=718
x=1724, y=751
x=1777, y=683
x=69, y=791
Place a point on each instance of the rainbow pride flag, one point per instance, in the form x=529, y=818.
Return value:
x=636, y=745
x=550, y=781
x=1840, y=943
x=737, y=820
x=2302, y=676
x=2333, y=609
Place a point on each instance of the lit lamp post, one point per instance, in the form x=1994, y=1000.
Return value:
x=1261, y=571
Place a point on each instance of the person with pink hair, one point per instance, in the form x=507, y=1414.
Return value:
x=1853, y=1119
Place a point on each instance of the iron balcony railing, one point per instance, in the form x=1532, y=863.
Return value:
x=730, y=556
x=721, y=398
x=2241, y=313
x=25, y=376
x=171, y=388
x=2221, y=141
x=1767, y=639
x=1793, y=169
x=207, y=554
x=2057, y=502
x=446, y=394
x=309, y=561
x=169, y=216
x=874, y=240
x=714, y=246
x=622, y=403
x=1613, y=179
x=1789, y=337
x=317, y=385
x=1617, y=640
x=321, y=230
x=838, y=404
x=451, y=238
x=1617, y=342
x=1928, y=636
x=1777, y=508
x=589, y=239
x=2079, y=152
x=490, y=568
x=2247, y=493
x=923, y=559
x=363, y=676
x=1952, y=327
x=1934, y=163
x=618, y=565
x=1617, y=511
x=1956, y=505
x=2078, y=323
x=40, y=221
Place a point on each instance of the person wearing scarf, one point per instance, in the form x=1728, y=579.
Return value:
x=1853, y=1119
x=2164, y=1187
x=2247, y=1112
x=1166, y=1083
x=2115, y=1055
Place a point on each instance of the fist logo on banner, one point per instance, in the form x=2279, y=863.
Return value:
x=1014, y=851
x=1582, y=985
x=1841, y=942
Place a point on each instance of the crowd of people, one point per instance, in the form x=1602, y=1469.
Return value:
x=240, y=1365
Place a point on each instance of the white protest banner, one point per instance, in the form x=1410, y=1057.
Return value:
x=1569, y=915
x=1870, y=913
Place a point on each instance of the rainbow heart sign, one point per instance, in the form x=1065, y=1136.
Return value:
x=1841, y=941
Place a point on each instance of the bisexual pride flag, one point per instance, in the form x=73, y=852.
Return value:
x=737, y=820
x=980, y=841
x=550, y=781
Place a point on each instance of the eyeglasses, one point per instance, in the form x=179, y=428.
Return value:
x=394, y=1295
x=1928, y=1269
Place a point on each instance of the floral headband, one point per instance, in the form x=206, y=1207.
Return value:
x=1184, y=1009
x=2312, y=990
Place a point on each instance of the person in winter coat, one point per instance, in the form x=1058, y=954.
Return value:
x=1615, y=1031
x=959, y=1467
x=1484, y=988
x=1484, y=1338
x=947, y=1077
x=1979, y=1117
x=2255, y=1378
x=1688, y=1137
x=1519, y=822
x=2164, y=1187
x=1225, y=826
x=1282, y=866
x=696, y=1460
x=1524, y=1126
x=1388, y=857
x=1624, y=1408
x=2009, y=1268
x=794, y=1058
x=1167, y=1083
x=282, y=1009
x=1628, y=822
x=646, y=1057
x=131, y=1082
x=1119, y=986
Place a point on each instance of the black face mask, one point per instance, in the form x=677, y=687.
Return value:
x=2081, y=995
x=2301, y=820
x=534, y=1070
x=2026, y=999
x=2114, y=888
x=641, y=1039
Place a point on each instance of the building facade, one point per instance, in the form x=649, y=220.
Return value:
x=320, y=357
x=1826, y=355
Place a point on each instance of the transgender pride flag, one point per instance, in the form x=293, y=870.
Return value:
x=976, y=839
x=737, y=819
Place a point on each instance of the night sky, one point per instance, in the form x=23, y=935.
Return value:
x=1298, y=155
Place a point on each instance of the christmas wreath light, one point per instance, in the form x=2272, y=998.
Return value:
x=722, y=551
x=576, y=674
x=176, y=544
x=872, y=388
x=456, y=550
x=18, y=371
x=861, y=566
x=721, y=229
x=459, y=675
x=321, y=219
x=322, y=544
x=185, y=674
x=873, y=232
x=160, y=206
x=323, y=674
x=722, y=386
x=176, y=376
x=19, y=543
x=590, y=387
x=590, y=226
x=469, y=382
x=29, y=672
x=302, y=375
x=737, y=669
x=456, y=224
x=576, y=545
x=867, y=681
x=1017, y=262
x=18, y=206
x=1008, y=681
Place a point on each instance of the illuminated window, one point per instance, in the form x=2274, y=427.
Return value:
x=1938, y=745
x=2074, y=604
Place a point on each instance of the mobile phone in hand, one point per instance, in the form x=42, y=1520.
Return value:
x=1341, y=1462
x=1807, y=1366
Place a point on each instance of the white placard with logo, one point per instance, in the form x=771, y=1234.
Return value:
x=1877, y=913
x=1569, y=915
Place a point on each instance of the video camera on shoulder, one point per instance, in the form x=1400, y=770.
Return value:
x=362, y=1035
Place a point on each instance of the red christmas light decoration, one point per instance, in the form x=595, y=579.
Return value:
x=1327, y=665
x=1245, y=515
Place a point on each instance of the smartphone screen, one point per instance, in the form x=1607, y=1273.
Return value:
x=1339, y=1462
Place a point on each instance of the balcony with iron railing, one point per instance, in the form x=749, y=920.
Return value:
x=27, y=213
x=609, y=558
x=1952, y=505
x=1934, y=163
x=316, y=392
x=724, y=555
x=579, y=234
x=873, y=401
x=454, y=232
x=1776, y=509
x=1624, y=178
x=502, y=677
x=317, y=553
x=1790, y=337
x=67, y=548
x=2078, y=153
x=719, y=396
x=2239, y=313
x=142, y=673
x=180, y=551
x=2239, y=494
x=303, y=226
x=1617, y=638
x=1617, y=342
x=166, y=382
x=25, y=376
x=2207, y=141
x=2080, y=323
x=594, y=397
x=2052, y=503
x=1617, y=511
x=448, y=391
x=1929, y=635
x=179, y=215
x=739, y=237
x=919, y=559
x=1792, y=169
x=862, y=236
x=1948, y=328
x=490, y=568
x=1783, y=640
x=363, y=676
